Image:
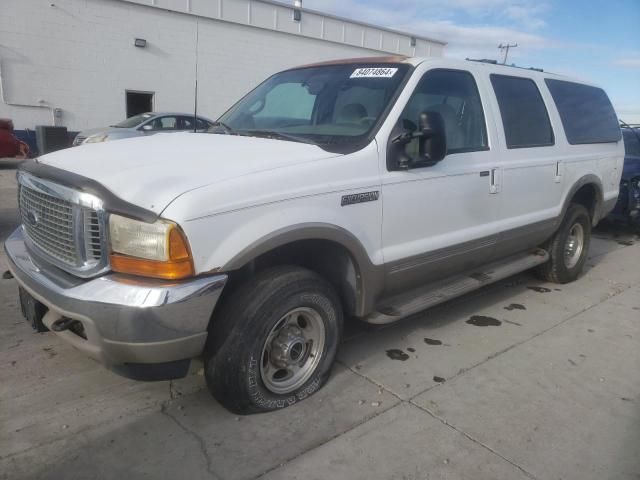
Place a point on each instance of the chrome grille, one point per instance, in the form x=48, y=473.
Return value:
x=92, y=237
x=49, y=223
x=66, y=226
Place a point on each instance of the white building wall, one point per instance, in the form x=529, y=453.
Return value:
x=78, y=55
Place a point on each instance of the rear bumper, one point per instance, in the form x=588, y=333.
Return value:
x=136, y=327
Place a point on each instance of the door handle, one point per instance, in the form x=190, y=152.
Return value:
x=494, y=183
x=559, y=170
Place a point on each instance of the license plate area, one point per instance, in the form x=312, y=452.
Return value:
x=32, y=310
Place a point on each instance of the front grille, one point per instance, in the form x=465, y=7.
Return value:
x=49, y=223
x=62, y=225
x=92, y=238
x=78, y=140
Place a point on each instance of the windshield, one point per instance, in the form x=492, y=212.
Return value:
x=323, y=105
x=134, y=121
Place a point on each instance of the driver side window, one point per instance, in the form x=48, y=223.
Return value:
x=454, y=95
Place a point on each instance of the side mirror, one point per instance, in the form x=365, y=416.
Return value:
x=433, y=139
x=147, y=128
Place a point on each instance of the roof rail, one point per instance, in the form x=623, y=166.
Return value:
x=495, y=62
x=482, y=60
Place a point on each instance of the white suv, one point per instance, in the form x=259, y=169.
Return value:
x=370, y=188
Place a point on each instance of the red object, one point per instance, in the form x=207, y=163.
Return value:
x=10, y=146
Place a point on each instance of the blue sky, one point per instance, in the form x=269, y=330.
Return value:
x=596, y=40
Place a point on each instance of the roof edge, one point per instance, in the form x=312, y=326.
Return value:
x=356, y=22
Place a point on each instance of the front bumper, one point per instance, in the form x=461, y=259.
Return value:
x=133, y=326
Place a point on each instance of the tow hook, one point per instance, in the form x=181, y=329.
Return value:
x=62, y=324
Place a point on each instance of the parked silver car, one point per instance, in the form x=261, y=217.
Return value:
x=144, y=124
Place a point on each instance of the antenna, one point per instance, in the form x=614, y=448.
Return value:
x=195, y=93
x=505, y=48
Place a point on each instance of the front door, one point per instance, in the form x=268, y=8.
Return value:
x=442, y=219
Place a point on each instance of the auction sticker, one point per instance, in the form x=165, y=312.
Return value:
x=372, y=72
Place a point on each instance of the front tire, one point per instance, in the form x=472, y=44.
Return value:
x=569, y=247
x=274, y=341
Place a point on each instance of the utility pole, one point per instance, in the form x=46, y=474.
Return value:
x=505, y=49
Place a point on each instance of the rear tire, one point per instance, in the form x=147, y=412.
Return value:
x=569, y=247
x=274, y=341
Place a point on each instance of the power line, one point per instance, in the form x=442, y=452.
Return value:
x=505, y=49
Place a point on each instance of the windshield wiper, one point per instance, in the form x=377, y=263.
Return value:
x=276, y=135
x=226, y=127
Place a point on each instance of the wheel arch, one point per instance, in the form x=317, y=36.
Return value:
x=588, y=192
x=330, y=250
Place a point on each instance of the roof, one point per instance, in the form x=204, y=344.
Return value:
x=347, y=61
x=450, y=62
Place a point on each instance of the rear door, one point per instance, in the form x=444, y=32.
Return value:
x=532, y=166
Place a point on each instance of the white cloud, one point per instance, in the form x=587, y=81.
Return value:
x=479, y=41
x=437, y=19
x=628, y=62
x=526, y=14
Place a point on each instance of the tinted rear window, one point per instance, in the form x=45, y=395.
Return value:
x=524, y=115
x=586, y=112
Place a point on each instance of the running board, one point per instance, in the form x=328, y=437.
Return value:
x=404, y=304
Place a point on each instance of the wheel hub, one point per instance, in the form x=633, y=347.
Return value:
x=574, y=246
x=292, y=351
x=288, y=347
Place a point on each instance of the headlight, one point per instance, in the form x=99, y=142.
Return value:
x=96, y=138
x=157, y=249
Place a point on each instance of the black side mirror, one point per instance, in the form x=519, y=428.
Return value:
x=432, y=143
x=433, y=139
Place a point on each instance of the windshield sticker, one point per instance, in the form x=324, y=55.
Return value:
x=374, y=72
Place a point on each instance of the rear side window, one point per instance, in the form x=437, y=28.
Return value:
x=586, y=112
x=524, y=115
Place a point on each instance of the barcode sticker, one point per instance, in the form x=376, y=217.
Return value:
x=376, y=72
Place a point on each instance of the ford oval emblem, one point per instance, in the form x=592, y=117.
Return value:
x=32, y=218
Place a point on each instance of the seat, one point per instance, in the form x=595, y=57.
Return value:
x=453, y=130
x=352, y=113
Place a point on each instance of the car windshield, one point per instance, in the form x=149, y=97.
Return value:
x=333, y=104
x=134, y=121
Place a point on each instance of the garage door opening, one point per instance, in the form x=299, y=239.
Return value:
x=139, y=102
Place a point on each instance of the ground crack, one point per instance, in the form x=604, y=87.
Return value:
x=474, y=440
x=196, y=437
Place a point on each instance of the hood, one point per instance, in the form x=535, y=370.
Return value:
x=152, y=171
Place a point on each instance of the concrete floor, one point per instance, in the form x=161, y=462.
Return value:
x=552, y=391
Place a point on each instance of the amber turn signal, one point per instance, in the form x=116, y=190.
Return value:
x=178, y=266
